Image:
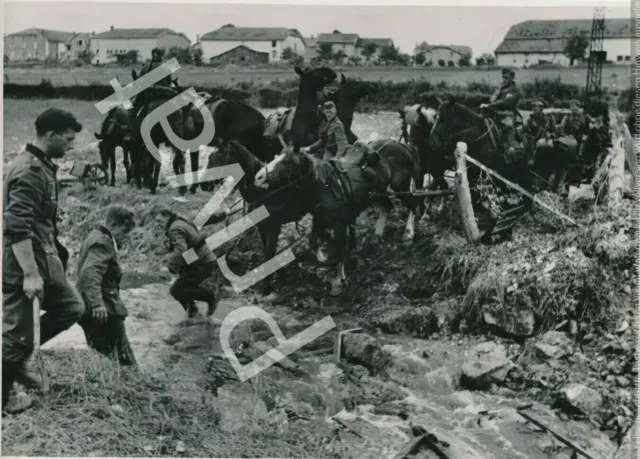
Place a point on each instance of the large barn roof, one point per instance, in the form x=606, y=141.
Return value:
x=51, y=35
x=338, y=38
x=232, y=33
x=550, y=36
x=136, y=34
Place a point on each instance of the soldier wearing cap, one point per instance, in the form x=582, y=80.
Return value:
x=576, y=125
x=504, y=102
x=540, y=126
x=333, y=138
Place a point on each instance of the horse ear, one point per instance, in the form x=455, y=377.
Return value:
x=134, y=75
x=401, y=112
x=98, y=136
x=298, y=70
x=343, y=80
x=175, y=81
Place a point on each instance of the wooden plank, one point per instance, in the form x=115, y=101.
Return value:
x=464, y=195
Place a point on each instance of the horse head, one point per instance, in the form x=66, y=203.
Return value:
x=349, y=93
x=451, y=120
x=314, y=79
x=283, y=169
x=418, y=119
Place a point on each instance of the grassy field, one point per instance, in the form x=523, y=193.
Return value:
x=619, y=76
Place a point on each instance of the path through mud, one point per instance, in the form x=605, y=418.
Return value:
x=374, y=413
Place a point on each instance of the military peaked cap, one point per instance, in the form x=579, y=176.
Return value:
x=508, y=71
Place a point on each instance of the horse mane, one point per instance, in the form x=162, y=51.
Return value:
x=158, y=92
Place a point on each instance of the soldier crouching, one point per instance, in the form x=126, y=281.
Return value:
x=196, y=281
x=99, y=276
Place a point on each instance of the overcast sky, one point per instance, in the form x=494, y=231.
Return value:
x=481, y=28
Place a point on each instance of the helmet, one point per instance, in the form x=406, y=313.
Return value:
x=508, y=71
x=538, y=103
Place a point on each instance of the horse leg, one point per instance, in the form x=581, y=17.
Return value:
x=127, y=163
x=179, y=169
x=112, y=159
x=342, y=247
x=271, y=235
x=385, y=205
x=195, y=160
x=317, y=230
x=104, y=161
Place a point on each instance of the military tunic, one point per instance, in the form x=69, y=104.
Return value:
x=333, y=141
x=30, y=202
x=183, y=235
x=99, y=276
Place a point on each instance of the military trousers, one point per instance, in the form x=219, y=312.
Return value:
x=197, y=283
x=63, y=307
x=108, y=338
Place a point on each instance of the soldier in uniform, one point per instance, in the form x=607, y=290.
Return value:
x=540, y=127
x=503, y=103
x=34, y=261
x=99, y=277
x=333, y=139
x=576, y=125
x=182, y=234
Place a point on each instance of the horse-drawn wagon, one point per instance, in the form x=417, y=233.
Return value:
x=83, y=172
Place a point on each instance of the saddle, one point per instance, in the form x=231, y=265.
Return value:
x=279, y=122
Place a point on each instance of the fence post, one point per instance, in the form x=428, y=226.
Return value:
x=464, y=195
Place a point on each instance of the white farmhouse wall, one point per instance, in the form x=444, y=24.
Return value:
x=212, y=48
x=170, y=40
x=618, y=49
x=105, y=49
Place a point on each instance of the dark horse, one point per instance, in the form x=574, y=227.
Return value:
x=457, y=123
x=283, y=205
x=346, y=97
x=300, y=125
x=151, y=99
x=115, y=128
x=336, y=192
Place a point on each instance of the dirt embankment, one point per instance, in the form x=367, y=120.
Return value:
x=426, y=306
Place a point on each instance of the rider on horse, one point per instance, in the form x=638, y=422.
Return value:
x=504, y=102
x=333, y=138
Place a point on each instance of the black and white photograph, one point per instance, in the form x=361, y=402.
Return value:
x=384, y=230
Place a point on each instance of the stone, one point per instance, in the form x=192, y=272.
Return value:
x=581, y=398
x=487, y=364
x=362, y=349
x=622, y=381
x=443, y=380
x=518, y=323
x=554, y=345
x=628, y=448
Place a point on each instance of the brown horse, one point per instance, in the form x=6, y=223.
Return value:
x=113, y=131
x=338, y=191
x=151, y=99
x=300, y=126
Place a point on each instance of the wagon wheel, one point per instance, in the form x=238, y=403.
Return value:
x=95, y=173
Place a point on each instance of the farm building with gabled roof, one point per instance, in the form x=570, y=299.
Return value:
x=443, y=55
x=536, y=42
x=106, y=46
x=352, y=45
x=36, y=44
x=270, y=40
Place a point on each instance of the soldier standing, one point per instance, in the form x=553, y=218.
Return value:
x=99, y=277
x=576, y=125
x=541, y=127
x=182, y=234
x=333, y=139
x=504, y=102
x=34, y=261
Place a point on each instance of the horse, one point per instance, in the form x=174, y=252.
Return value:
x=153, y=98
x=113, y=131
x=282, y=205
x=233, y=120
x=337, y=191
x=457, y=123
x=346, y=97
x=299, y=126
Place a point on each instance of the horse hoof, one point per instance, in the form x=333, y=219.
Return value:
x=193, y=189
x=271, y=297
x=182, y=190
x=321, y=256
x=408, y=236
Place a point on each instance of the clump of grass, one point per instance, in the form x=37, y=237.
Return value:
x=96, y=408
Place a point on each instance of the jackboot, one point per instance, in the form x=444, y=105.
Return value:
x=17, y=403
x=26, y=377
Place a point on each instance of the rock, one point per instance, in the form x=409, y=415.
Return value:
x=627, y=449
x=487, y=364
x=554, y=345
x=517, y=323
x=365, y=350
x=444, y=380
x=581, y=398
x=622, y=381
x=588, y=338
x=420, y=322
x=411, y=364
x=117, y=409
x=623, y=328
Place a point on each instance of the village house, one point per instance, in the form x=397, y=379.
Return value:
x=310, y=48
x=36, y=44
x=231, y=44
x=106, y=46
x=352, y=45
x=539, y=42
x=443, y=55
x=78, y=45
